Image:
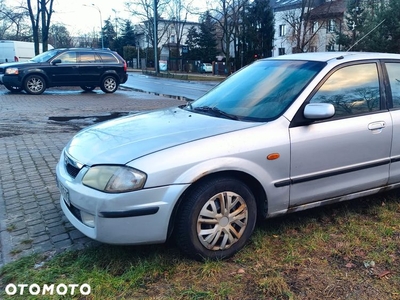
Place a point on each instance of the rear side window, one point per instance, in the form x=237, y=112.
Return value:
x=352, y=90
x=393, y=70
x=108, y=58
x=88, y=57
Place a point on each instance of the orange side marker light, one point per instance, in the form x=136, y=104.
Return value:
x=273, y=156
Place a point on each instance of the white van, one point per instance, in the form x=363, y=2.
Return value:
x=14, y=51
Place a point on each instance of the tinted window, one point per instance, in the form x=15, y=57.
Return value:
x=87, y=57
x=45, y=56
x=68, y=57
x=108, y=58
x=261, y=91
x=352, y=90
x=393, y=70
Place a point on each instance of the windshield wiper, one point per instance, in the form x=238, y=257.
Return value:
x=215, y=112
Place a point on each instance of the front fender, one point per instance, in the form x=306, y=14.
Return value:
x=278, y=198
x=244, y=151
x=35, y=71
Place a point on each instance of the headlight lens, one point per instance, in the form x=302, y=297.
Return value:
x=114, y=179
x=11, y=71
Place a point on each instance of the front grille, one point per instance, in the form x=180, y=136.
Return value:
x=72, y=166
x=72, y=171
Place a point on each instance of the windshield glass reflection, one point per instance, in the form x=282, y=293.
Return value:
x=262, y=91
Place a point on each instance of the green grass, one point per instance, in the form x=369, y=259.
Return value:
x=324, y=253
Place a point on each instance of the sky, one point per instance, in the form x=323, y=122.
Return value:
x=80, y=16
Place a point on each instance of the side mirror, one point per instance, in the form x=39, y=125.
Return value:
x=56, y=61
x=319, y=111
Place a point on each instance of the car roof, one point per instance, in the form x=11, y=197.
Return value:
x=82, y=49
x=327, y=56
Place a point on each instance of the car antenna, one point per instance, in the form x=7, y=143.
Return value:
x=366, y=35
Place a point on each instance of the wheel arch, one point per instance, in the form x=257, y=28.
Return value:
x=110, y=73
x=253, y=184
x=36, y=72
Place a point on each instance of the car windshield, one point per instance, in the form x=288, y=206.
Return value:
x=259, y=92
x=45, y=56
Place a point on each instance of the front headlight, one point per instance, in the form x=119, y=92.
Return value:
x=114, y=179
x=11, y=71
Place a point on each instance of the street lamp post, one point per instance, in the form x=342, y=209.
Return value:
x=116, y=23
x=101, y=23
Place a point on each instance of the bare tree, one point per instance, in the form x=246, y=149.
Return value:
x=47, y=10
x=305, y=21
x=40, y=10
x=144, y=10
x=228, y=14
x=13, y=22
x=178, y=11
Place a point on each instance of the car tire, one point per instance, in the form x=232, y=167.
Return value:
x=87, y=88
x=204, y=230
x=13, y=89
x=109, y=84
x=34, y=85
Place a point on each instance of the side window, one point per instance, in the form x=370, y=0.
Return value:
x=393, y=70
x=87, y=57
x=353, y=90
x=108, y=58
x=68, y=57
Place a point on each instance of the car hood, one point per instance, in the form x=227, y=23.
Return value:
x=16, y=64
x=124, y=139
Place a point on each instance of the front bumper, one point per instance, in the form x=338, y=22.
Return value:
x=139, y=217
x=11, y=80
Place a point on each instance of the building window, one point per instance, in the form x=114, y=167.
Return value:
x=331, y=25
x=172, y=39
x=282, y=30
x=314, y=27
x=313, y=49
x=281, y=51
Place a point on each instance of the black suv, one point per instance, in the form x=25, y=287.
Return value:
x=87, y=68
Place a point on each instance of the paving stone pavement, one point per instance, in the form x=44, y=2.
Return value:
x=33, y=132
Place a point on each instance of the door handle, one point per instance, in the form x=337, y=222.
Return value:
x=376, y=126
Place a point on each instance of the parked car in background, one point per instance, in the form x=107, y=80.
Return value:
x=87, y=68
x=206, y=68
x=281, y=135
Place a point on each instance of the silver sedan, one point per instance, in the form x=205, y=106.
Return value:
x=281, y=135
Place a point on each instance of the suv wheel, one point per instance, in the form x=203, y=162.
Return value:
x=35, y=85
x=216, y=219
x=87, y=88
x=109, y=84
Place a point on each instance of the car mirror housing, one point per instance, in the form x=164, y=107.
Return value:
x=319, y=111
x=56, y=61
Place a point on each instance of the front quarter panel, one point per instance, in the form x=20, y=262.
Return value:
x=242, y=151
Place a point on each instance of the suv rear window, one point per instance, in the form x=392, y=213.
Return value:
x=108, y=58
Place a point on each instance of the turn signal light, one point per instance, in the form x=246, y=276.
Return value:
x=273, y=156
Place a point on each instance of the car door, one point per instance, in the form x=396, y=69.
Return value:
x=66, y=72
x=90, y=68
x=393, y=72
x=351, y=151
